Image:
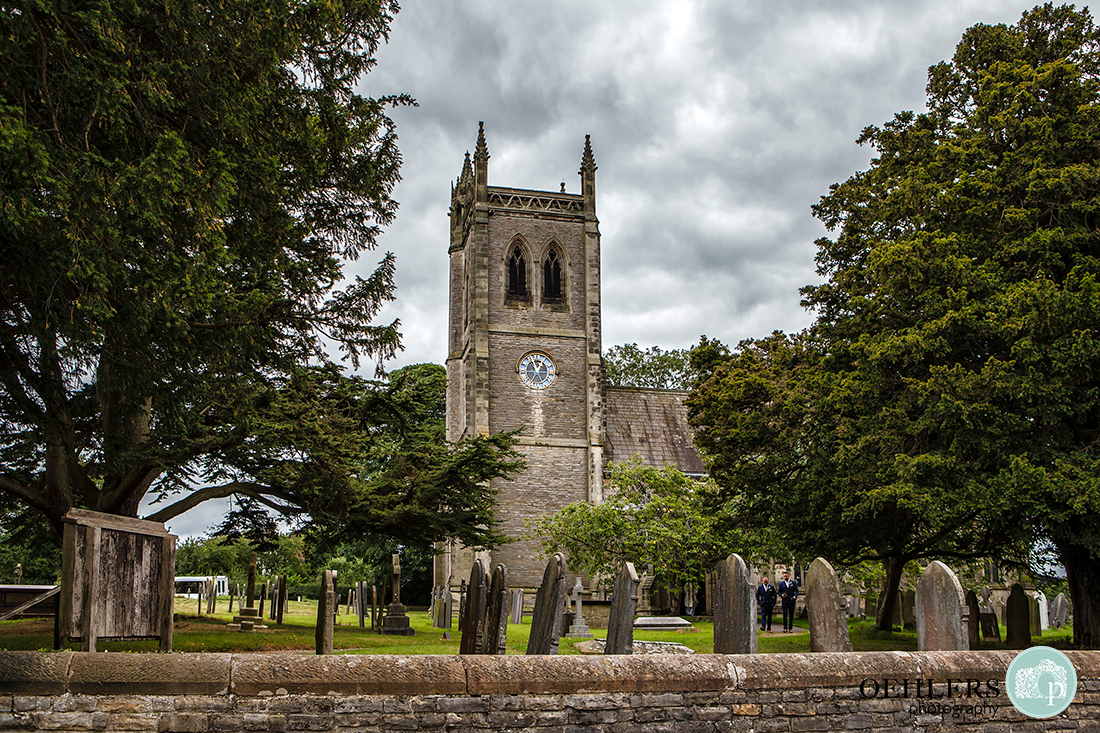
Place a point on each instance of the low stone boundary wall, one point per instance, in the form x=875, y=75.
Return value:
x=863, y=691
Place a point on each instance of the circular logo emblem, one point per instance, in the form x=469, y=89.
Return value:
x=1041, y=682
x=536, y=371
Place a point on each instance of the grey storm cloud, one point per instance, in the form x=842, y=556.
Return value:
x=716, y=125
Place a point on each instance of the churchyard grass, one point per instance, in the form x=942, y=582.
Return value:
x=207, y=633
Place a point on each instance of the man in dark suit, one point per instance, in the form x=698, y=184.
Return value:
x=788, y=592
x=765, y=598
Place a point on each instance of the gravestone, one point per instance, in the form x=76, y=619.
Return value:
x=517, y=606
x=973, y=617
x=854, y=607
x=578, y=629
x=496, y=613
x=461, y=605
x=908, y=609
x=1061, y=610
x=248, y=617
x=620, y=625
x=1017, y=619
x=1034, y=628
x=396, y=623
x=899, y=601
x=1044, y=611
x=991, y=628
x=549, y=606
x=19, y=573
x=645, y=593
x=940, y=610
x=472, y=623
x=825, y=608
x=734, y=608
x=326, y=601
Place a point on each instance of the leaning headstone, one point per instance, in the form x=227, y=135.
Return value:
x=940, y=610
x=549, y=606
x=734, y=608
x=973, y=618
x=472, y=624
x=991, y=628
x=620, y=625
x=1018, y=613
x=517, y=606
x=1061, y=610
x=496, y=613
x=826, y=610
x=326, y=601
x=578, y=629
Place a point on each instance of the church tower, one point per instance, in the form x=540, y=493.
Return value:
x=524, y=350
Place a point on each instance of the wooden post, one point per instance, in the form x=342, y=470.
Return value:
x=167, y=592
x=90, y=627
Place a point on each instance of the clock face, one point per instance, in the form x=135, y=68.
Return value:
x=536, y=371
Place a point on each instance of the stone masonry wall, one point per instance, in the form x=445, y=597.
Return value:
x=71, y=691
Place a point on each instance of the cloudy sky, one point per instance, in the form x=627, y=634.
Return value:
x=715, y=125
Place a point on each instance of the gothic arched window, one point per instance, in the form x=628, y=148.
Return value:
x=517, y=274
x=551, y=275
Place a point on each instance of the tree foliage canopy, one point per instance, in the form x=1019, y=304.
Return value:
x=653, y=517
x=181, y=186
x=652, y=368
x=950, y=377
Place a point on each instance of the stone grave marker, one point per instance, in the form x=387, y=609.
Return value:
x=645, y=593
x=326, y=601
x=1061, y=610
x=1044, y=611
x=825, y=609
x=973, y=617
x=248, y=617
x=549, y=606
x=1017, y=619
x=496, y=613
x=734, y=608
x=940, y=610
x=991, y=627
x=578, y=629
x=854, y=607
x=908, y=609
x=395, y=622
x=472, y=622
x=899, y=619
x=517, y=606
x=1036, y=628
x=19, y=573
x=620, y=625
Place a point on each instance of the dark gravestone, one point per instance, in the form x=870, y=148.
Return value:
x=991, y=627
x=734, y=609
x=472, y=623
x=908, y=609
x=1036, y=628
x=326, y=601
x=826, y=609
x=974, y=615
x=940, y=610
x=1017, y=619
x=496, y=613
x=620, y=625
x=396, y=623
x=549, y=606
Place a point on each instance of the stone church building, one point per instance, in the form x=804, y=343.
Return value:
x=525, y=353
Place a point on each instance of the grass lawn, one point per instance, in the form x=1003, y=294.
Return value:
x=207, y=633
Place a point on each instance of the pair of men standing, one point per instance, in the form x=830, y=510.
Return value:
x=766, y=595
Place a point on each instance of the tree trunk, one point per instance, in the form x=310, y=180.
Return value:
x=1083, y=576
x=888, y=599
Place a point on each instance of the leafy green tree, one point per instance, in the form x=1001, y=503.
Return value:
x=181, y=186
x=653, y=516
x=652, y=368
x=952, y=364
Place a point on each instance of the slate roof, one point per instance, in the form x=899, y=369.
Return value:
x=651, y=423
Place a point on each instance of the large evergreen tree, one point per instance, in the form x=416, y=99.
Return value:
x=181, y=185
x=956, y=338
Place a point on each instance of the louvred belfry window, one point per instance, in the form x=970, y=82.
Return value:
x=551, y=276
x=517, y=274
